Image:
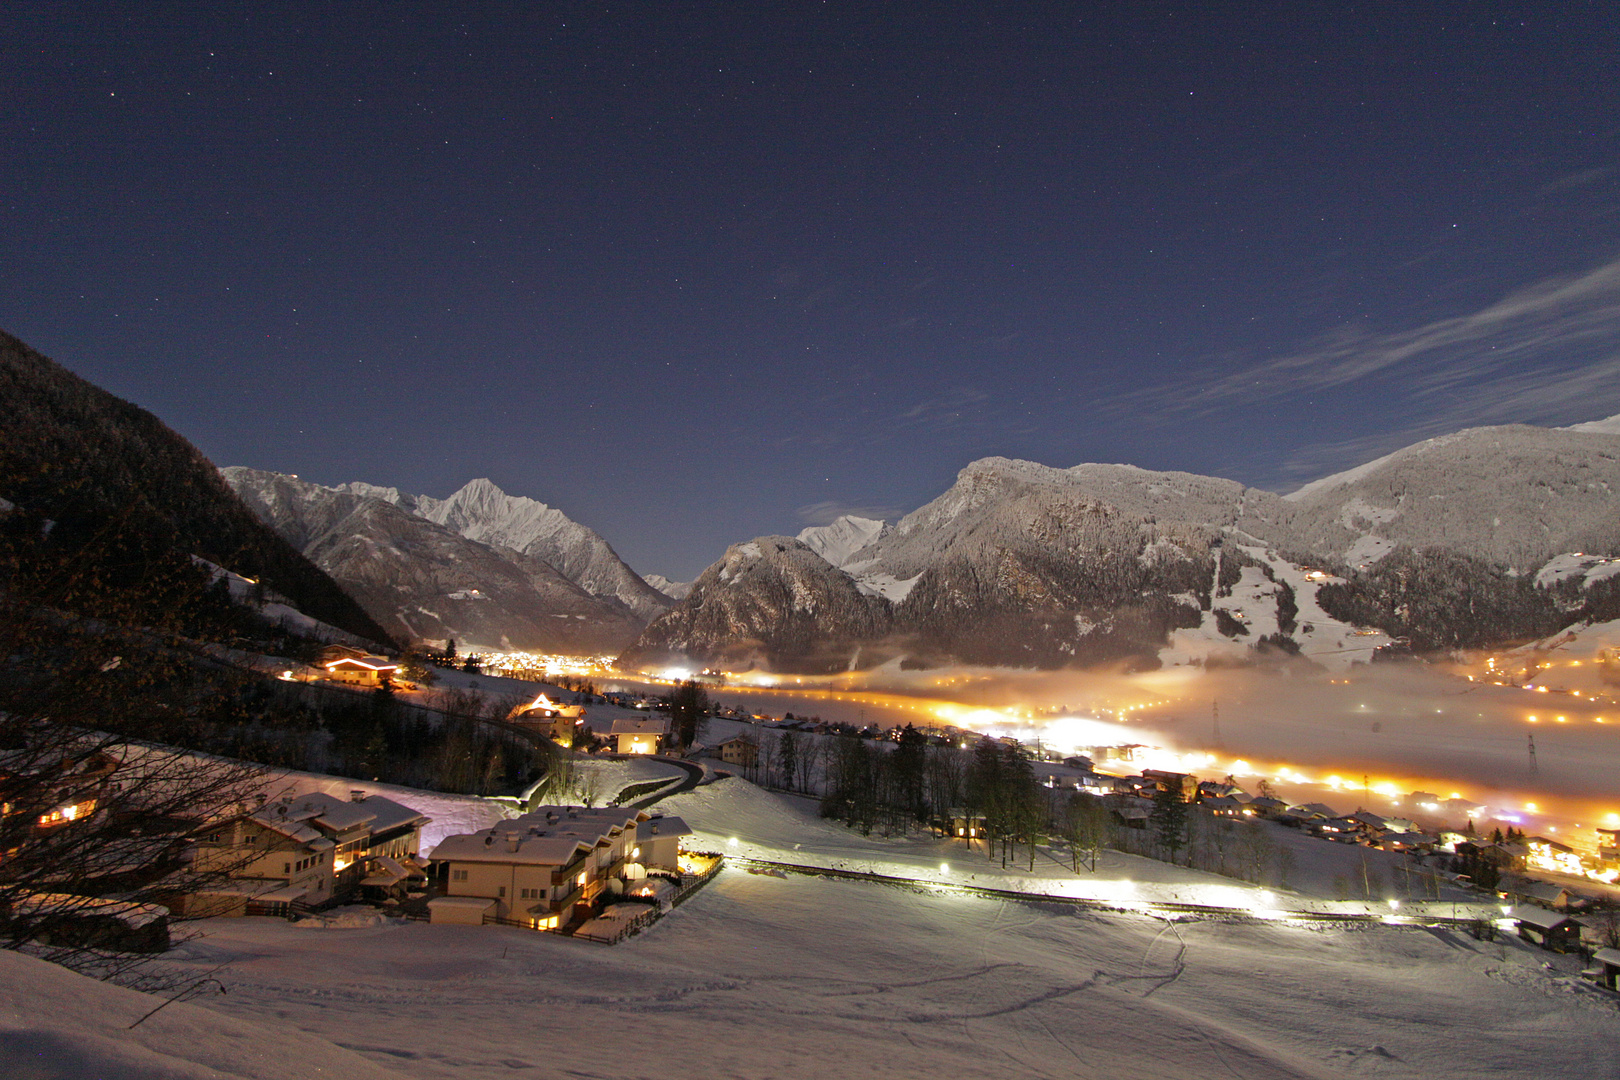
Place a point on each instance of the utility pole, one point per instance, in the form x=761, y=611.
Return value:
x=1215, y=717
x=1534, y=768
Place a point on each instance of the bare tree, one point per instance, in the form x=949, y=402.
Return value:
x=96, y=818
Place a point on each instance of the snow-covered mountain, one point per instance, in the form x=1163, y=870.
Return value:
x=772, y=602
x=1026, y=565
x=1514, y=495
x=675, y=590
x=482, y=512
x=412, y=564
x=839, y=542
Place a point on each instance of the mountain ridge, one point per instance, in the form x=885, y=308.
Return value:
x=1024, y=564
x=430, y=581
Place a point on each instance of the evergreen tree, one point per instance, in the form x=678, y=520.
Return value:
x=787, y=758
x=1169, y=818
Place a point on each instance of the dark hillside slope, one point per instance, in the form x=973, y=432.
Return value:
x=99, y=466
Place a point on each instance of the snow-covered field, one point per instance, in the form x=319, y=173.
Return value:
x=736, y=818
x=768, y=976
x=759, y=976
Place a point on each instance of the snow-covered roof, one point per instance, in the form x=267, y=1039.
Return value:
x=373, y=663
x=546, y=836
x=305, y=817
x=67, y=905
x=627, y=725
x=386, y=872
x=1607, y=957
x=524, y=848
x=1540, y=917
x=467, y=903
x=661, y=827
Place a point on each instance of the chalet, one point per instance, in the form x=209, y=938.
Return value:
x=310, y=850
x=1369, y=822
x=546, y=869
x=1306, y=815
x=277, y=861
x=964, y=824
x=658, y=839
x=1407, y=841
x=1225, y=806
x=75, y=790
x=1094, y=783
x=1130, y=812
x=1184, y=784
x=640, y=735
x=1518, y=889
x=363, y=670
x=1210, y=789
x=1126, y=753
x=739, y=750
x=1609, y=844
x=1607, y=971
x=552, y=719
x=1266, y=806
x=1544, y=854
x=1549, y=929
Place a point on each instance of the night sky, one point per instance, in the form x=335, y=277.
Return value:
x=696, y=272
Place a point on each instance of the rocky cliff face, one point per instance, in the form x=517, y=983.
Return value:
x=425, y=580
x=771, y=602
x=483, y=512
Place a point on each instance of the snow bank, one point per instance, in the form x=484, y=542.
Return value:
x=758, y=976
x=55, y=1025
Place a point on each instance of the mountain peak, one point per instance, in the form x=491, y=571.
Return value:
x=839, y=541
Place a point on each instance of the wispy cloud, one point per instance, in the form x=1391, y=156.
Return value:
x=1535, y=353
x=948, y=409
x=1576, y=180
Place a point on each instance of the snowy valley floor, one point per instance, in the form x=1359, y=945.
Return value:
x=760, y=976
x=771, y=976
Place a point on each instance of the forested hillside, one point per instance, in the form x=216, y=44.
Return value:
x=116, y=481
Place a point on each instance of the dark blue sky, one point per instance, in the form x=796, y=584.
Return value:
x=695, y=272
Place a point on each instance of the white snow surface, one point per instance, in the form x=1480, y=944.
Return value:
x=761, y=975
x=675, y=590
x=765, y=976
x=1609, y=425
x=451, y=814
x=887, y=586
x=56, y=1025
x=839, y=541
x=1335, y=645
x=1587, y=569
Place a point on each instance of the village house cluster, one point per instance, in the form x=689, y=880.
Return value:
x=558, y=867
x=309, y=851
